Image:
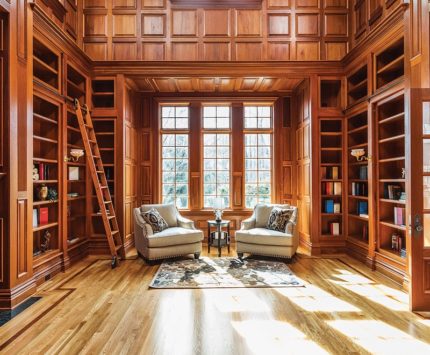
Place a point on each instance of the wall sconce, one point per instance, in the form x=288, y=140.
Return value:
x=360, y=154
x=75, y=154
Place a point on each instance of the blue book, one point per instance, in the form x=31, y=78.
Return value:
x=329, y=206
x=362, y=208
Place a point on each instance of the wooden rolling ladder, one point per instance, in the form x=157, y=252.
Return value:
x=100, y=182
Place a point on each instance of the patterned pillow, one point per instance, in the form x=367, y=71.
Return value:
x=153, y=218
x=279, y=218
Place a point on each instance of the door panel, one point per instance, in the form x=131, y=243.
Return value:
x=419, y=199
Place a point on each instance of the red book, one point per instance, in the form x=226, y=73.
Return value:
x=41, y=171
x=43, y=215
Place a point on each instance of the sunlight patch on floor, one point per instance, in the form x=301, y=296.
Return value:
x=379, y=338
x=275, y=337
x=235, y=300
x=391, y=298
x=314, y=299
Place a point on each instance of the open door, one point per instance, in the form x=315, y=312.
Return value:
x=419, y=189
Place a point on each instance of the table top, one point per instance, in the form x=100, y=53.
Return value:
x=214, y=222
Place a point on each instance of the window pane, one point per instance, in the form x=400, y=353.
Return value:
x=258, y=117
x=216, y=166
x=258, y=154
x=175, y=169
x=216, y=117
x=174, y=117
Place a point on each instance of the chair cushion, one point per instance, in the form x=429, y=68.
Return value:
x=167, y=211
x=262, y=213
x=155, y=220
x=263, y=236
x=174, y=236
x=279, y=218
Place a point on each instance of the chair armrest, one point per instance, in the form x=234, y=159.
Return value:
x=291, y=225
x=248, y=223
x=185, y=222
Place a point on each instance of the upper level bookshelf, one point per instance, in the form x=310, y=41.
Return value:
x=389, y=63
x=330, y=93
x=103, y=93
x=76, y=84
x=357, y=85
x=46, y=65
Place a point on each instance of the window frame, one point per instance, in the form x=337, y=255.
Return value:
x=173, y=131
x=204, y=131
x=257, y=131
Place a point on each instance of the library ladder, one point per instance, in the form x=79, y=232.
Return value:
x=98, y=176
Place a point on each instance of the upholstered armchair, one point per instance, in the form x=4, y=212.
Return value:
x=255, y=238
x=180, y=238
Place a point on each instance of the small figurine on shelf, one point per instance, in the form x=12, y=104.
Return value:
x=403, y=173
x=52, y=194
x=42, y=192
x=35, y=173
x=44, y=245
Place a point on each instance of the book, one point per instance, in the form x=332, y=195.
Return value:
x=329, y=206
x=335, y=172
x=365, y=233
x=337, y=190
x=334, y=228
x=323, y=172
x=43, y=215
x=392, y=192
x=363, y=173
x=362, y=208
x=399, y=216
x=35, y=218
x=336, y=207
x=73, y=173
x=41, y=171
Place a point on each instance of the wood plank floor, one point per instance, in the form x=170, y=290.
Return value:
x=91, y=309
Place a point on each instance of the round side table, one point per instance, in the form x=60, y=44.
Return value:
x=219, y=238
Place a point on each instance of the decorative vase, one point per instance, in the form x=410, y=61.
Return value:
x=42, y=192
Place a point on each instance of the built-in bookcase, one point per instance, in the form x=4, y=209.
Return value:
x=46, y=156
x=331, y=163
x=390, y=164
x=358, y=184
x=103, y=93
x=104, y=128
x=76, y=84
x=46, y=65
x=357, y=85
x=389, y=63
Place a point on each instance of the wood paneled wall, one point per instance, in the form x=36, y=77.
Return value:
x=130, y=119
x=302, y=129
x=153, y=30
x=368, y=15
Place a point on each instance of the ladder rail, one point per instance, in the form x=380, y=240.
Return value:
x=100, y=183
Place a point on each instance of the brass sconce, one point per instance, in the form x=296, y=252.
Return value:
x=75, y=154
x=360, y=155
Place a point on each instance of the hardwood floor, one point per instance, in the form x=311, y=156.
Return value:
x=92, y=309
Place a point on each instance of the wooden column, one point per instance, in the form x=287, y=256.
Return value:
x=237, y=162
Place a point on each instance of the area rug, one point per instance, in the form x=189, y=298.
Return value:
x=224, y=273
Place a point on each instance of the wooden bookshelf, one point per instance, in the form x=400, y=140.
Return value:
x=389, y=64
x=357, y=85
x=331, y=175
x=357, y=225
x=76, y=84
x=103, y=93
x=46, y=155
x=46, y=65
x=390, y=165
x=330, y=93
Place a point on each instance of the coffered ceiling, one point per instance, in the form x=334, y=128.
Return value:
x=215, y=84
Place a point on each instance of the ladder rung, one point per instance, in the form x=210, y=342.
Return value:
x=107, y=202
x=110, y=217
x=103, y=187
x=92, y=141
x=96, y=157
x=115, y=232
x=118, y=247
x=99, y=171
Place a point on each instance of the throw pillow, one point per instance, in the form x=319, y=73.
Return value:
x=155, y=220
x=279, y=218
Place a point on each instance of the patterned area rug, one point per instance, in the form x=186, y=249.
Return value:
x=223, y=273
